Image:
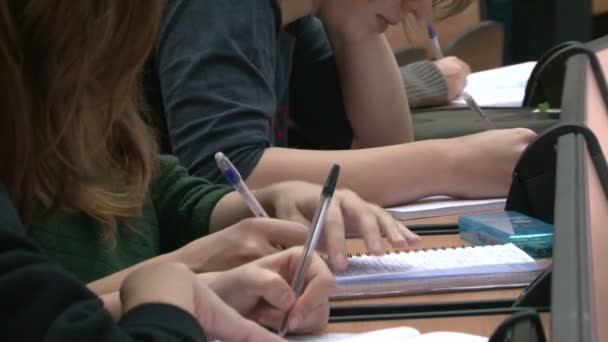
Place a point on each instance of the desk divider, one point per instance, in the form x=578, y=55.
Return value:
x=350, y=313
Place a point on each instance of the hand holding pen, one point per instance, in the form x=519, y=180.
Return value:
x=468, y=99
x=297, y=201
x=297, y=283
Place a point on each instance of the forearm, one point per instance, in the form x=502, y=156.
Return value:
x=112, y=283
x=374, y=96
x=387, y=175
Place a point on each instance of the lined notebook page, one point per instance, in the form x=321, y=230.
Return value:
x=429, y=260
x=437, y=270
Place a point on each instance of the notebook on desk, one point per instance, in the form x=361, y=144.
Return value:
x=436, y=270
x=444, y=206
x=500, y=87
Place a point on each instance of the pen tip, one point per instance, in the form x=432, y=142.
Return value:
x=218, y=156
x=332, y=181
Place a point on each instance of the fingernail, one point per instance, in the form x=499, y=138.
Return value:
x=294, y=322
x=377, y=247
x=340, y=261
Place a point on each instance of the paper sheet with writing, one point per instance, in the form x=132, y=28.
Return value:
x=500, y=87
x=399, y=334
x=444, y=205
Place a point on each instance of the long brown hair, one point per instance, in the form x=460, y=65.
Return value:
x=71, y=138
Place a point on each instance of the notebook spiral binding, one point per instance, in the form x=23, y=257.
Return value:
x=418, y=250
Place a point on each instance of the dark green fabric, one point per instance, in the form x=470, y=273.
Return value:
x=176, y=212
x=454, y=122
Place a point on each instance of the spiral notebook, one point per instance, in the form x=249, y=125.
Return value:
x=437, y=270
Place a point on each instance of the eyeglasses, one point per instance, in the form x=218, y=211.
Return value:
x=523, y=326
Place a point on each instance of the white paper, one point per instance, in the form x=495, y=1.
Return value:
x=449, y=259
x=500, y=87
x=399, y=334
x=443, y=206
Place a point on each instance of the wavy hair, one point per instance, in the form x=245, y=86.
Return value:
x=71, y=137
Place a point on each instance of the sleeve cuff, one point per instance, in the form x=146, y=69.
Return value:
x=424, y=84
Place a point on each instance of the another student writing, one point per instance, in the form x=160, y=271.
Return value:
x=81, y=166
x=222, y=84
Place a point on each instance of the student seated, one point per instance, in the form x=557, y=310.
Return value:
x=81, y=167
x=230, y=75
x=160, y=302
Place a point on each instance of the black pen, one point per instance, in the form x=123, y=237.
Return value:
x=318, y=222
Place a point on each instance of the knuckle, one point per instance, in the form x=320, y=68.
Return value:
x=249, y=250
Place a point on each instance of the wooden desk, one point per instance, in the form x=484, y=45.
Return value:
x=600, y=6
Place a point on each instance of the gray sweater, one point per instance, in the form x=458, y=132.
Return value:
x=225, y=76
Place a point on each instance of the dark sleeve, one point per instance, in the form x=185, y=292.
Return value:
x=183, y=204
x=216, y=62
x=316, y=102
x=42, y=302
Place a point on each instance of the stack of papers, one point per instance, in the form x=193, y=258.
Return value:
x=500, y=87
x=444, y=206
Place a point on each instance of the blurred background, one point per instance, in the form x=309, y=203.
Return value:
x=493, y=33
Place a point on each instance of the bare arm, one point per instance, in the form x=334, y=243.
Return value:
x=478, y=165
x=374, y=96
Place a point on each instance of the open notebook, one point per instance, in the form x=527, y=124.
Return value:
x=500, y=87
x=436, y=270
x=443, y=206
x=401, y=334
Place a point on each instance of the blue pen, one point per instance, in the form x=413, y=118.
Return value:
x=468, y=99
x=234, y=178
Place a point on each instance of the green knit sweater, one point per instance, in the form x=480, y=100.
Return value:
x=176, y=212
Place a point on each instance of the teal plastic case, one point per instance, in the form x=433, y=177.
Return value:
x=534, y=236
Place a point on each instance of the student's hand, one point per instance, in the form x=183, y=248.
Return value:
x=348, y=216
x=455, y=72
x=175, y=284
x=261, y=291
x=248, y=240
x=483, y=163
